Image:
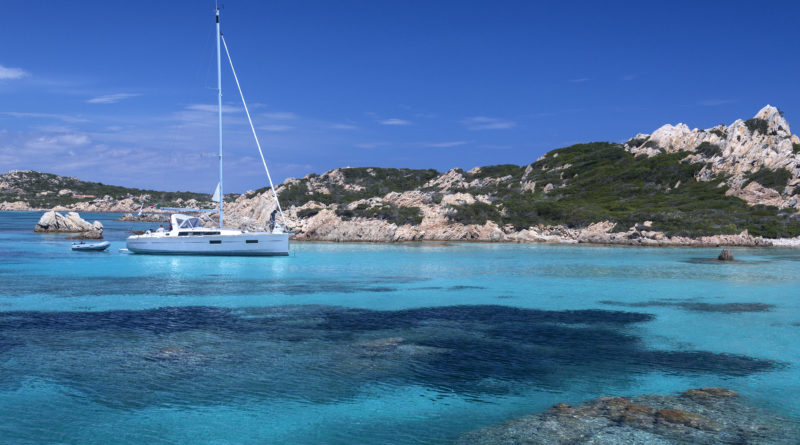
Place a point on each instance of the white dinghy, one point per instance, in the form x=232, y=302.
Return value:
x=90, y=247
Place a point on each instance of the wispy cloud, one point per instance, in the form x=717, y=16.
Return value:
x=579, y=80
x=446, y=144
x=342, y=127
x=715, y=102
x=58, y=141
x=61, y=117
x=275, y=127
x=279, y=115
x=395, y=121
x=212, y=108
x=629, y=77
x=7, y=73
x=111, y=98
x=487, y=123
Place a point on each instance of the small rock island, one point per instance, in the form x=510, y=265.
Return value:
x=54, y=222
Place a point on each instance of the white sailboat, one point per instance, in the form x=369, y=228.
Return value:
x=186, y=234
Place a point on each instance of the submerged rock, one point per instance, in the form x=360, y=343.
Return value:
x=710, y=393
x=54, y=222
x=725, y=255
x=697, y=416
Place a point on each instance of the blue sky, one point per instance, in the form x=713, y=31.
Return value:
x=124, y=92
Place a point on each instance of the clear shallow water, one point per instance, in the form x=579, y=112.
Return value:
x=344, y=343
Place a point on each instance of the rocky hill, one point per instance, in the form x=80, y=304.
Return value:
x=30, y=190
x=758, y=159
x=723, y=185
x=675, y=186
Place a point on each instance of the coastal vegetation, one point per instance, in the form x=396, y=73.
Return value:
x=602, y=181
x=385, y=212
x=775, y=179
x=356, y=183
x=46, y=190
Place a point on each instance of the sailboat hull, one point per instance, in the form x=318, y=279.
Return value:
x=244, y=244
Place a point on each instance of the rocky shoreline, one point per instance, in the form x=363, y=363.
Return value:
x=697, y=416
x=328, y=227
x=325, y=225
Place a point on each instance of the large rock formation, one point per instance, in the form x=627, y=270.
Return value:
x=733, y=152
x=54, y=222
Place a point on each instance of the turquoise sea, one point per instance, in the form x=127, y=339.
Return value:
x=372, y=343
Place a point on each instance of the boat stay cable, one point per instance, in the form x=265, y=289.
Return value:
x=258, y=144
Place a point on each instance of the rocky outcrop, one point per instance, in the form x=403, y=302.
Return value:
x=54, y=222
x=144, y=217
x=755, y=193
x=697, y=416
x=733, y=152
x=15, y=205
x=725, y=255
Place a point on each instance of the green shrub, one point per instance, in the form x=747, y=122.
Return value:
x=499, y=171
x=651, y=144
x=719, y=132
x=757, y=124
x=386, y=212
x=475, y=213
x=709, y=150
x=256, y=192
x=635, y=142
x=774, y=179
x=308, y=213
x=795, y=148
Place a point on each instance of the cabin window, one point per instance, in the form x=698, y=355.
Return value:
x=251, y=241
x=215, y=241
x=188, y=223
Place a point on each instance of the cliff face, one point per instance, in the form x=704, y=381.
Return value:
x=735, y=152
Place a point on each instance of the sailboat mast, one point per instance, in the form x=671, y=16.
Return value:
x=219, y=100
